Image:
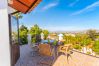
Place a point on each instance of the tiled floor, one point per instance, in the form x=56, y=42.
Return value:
x=26, y=58
x=76, y=59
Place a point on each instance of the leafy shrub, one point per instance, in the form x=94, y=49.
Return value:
x=35, y=31
x=96, y=47
x=46, y=32
x=76, y=46
x=23, y=35
x=55, y=42
x=48, y=41
x=86, y=42
x=88, y=53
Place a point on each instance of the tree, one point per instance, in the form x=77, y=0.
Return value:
x=86, y=42
x=22, y=28
x=23, y=31
x=45, y=32
x=69, y=39
x=92, y=34
x=96, y=47
x=77, y=46
x=18, y=15
x=35, y=31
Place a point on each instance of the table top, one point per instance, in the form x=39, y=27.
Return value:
x=46, y=41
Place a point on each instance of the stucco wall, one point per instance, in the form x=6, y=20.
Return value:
x=5, y=59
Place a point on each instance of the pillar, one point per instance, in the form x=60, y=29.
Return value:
x=5, y=55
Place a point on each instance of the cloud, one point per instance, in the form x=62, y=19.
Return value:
x=96, y=4
x=50, y=5
x=73, y=3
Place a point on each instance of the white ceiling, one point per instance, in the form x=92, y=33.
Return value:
x=11, y=10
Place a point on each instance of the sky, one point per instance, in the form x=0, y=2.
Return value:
x=64, y=15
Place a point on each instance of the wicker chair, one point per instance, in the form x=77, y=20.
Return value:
x=63, y=49
x=46, y=53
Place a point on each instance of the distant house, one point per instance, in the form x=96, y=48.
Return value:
x=53, y=36
x=70, y=34
x=60, y=37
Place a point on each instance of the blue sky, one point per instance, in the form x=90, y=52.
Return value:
x=64, y=15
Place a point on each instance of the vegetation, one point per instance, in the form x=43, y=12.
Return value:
x=86, y=42
x=92, y=34
x=55, y=42
x=14, y=38
x=77, y=46
x=88, y=53
x=18, y=15
x=23, y=31
x=68, y=39
x=96, y=47
x=78, y=41
x=35, y=31
x=45, y=32
x=87, y=39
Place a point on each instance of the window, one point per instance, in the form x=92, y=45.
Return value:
x=14, y=30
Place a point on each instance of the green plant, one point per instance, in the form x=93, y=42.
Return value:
x=76, y=46
x=96, y=47
x=68, y=39
x=85, y=42
x=14, y=38
x=55, y=43
x=18, y=15
x=48, y=41
x=34, y=40
x=23, y=31
x=45, y=32
x=92, y=34
x=88, y=53
x=35, y=31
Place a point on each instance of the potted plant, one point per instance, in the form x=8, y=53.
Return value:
x=55, y=42
x=48, y=41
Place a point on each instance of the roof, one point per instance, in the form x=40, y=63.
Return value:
x=24, y=6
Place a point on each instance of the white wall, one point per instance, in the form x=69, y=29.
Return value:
x=4, y=35
x=29, y=39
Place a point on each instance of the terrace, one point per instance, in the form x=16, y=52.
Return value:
x=76, y=59
x=25, y=55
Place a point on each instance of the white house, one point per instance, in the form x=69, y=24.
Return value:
x=60, y=37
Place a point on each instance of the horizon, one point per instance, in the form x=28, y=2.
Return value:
x=80, y=30
x=64, y=15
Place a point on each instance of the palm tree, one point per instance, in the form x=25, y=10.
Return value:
x=18, y=16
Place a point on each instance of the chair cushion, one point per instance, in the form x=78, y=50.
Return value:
x=45, y=49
